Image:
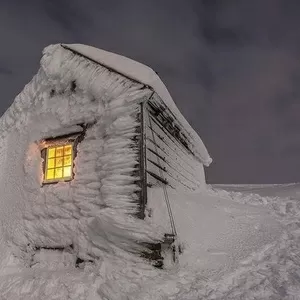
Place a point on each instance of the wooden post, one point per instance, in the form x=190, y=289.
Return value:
x=143, y=162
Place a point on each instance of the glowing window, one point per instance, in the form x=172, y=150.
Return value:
x=59, y=163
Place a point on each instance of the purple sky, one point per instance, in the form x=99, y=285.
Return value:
x=232, y=67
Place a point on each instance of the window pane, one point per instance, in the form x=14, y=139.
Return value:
x=68, y=150
x=59, y=151
x=67, y=172
x=58, y=173
x=50, y=174
x=59, y=162
x=51, y=163
x=51, y=152
x=68, y=160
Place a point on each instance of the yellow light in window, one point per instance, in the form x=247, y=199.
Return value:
x=59, y=151
x=51, y=163
x=68, y=150
x=67, y=171
x=58, y=173
x=50, y=174
x=68, y=160
x=51, y=152
x=59, y=162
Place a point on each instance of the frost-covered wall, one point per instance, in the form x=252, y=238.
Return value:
x=171, y=162
x=92, y=214
x=170, y=158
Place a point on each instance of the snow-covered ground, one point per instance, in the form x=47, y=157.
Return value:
x=240, y=242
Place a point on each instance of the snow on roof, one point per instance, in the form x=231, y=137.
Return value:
x=126, y=67
x=143, y=74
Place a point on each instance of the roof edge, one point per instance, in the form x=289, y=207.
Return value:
x=142, y=74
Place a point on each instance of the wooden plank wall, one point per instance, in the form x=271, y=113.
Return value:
x=169, y=158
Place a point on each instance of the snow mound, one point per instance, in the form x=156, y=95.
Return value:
x=216, y=232
x=236, y=246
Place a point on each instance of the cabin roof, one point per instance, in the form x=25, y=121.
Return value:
x=125, y=66
x=143, y=74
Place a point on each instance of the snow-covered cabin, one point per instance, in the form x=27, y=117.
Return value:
x=82, y=147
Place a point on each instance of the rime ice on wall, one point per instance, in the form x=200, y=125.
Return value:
x=78, y=214
x=170, y=159
x=145, y=75
x=171, y=162
x=93, y=214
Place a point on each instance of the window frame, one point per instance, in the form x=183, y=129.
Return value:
x=70, y=139
x=67, y=178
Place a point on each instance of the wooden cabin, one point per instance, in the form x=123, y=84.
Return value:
x=89, y=139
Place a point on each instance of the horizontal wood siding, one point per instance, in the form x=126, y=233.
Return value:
x=170, y=160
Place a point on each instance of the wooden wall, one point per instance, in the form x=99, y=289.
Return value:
x=169, y=159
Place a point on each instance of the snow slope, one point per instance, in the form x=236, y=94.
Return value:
x=269, y=190
x=236, y=246
x=269, y=272
x=218, y=233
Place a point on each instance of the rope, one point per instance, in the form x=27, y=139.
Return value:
x=167, y=200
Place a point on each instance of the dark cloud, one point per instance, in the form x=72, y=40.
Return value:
x=5, y=71
x=68, y=15
x=254, y=99
x=231, y=66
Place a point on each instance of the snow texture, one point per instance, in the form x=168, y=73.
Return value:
x=261, y=256
x=217, y=233
x=169, y=159
x=236, y=245
x=211, y=227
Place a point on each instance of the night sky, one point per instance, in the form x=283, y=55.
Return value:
x=232, y=67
